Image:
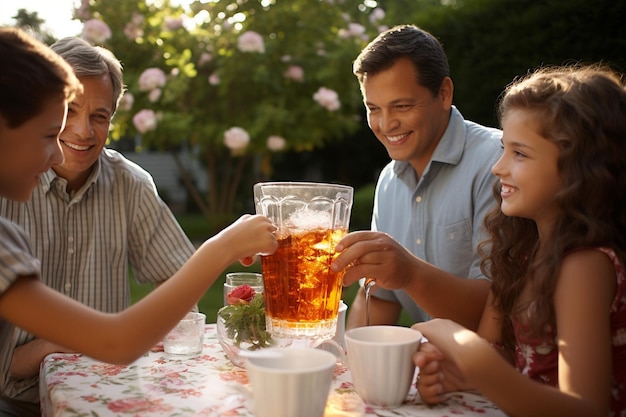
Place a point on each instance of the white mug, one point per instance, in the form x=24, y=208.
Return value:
x=290, y=382
x=380, y=360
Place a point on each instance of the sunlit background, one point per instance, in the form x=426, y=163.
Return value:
x=57, y=15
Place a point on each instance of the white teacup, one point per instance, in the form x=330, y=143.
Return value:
x=381, y=364
x=290, y=382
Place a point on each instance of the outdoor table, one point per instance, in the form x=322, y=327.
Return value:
x=205, y=385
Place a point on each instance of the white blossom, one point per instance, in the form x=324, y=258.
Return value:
x=276, y=143
x=251, y=41
x=236, y=138
x=327, y=98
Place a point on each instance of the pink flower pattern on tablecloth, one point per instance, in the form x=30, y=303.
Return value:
x=205, y=385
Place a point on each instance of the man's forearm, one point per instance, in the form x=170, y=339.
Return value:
x=27, y=358
x=444, y=295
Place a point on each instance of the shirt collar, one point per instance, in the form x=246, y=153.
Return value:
x=449, y=150
x=50, y=177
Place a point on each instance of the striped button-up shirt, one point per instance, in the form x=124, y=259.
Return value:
x=16, y=260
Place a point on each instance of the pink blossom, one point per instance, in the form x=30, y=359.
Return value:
x=242, y=294
x=204, y=58
x=137, y=19
x=251, y=41
x=214, y=79
x=151, y=78
x=377, y=14
x=127, y=101
x=133, y=29
x=154, y=95
x=82, y=12
x=276, y=143
x=295, y=73
x=173, y=23
x=145, y=121
x=327, y=98
x=354, y=30
x=236, y=138
x=96, y=31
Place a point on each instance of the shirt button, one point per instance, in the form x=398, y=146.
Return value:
x=70, y=251
x=70, y=238
x=418, y=199
x=68, y=286
x=418, y=241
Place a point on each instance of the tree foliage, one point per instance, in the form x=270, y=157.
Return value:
x=214, y=83
x=490, y=42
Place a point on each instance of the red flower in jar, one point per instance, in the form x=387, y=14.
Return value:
x=242, y=294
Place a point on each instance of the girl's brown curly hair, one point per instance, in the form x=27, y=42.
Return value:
x=582, y=109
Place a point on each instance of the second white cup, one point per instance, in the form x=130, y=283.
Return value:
x=290, y=382
x=380, y=359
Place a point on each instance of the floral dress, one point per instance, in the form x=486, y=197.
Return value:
x=537, y=357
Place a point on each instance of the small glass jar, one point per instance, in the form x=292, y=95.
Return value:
x=235, y=279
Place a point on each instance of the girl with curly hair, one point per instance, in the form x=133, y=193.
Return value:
x=552, y=338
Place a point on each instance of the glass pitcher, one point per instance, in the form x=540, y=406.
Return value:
x=302, y=294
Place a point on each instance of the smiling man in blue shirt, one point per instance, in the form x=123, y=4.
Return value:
x=431, y=199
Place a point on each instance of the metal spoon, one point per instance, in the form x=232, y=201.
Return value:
x=369, y=283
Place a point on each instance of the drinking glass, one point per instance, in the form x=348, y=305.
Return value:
x=302, y=294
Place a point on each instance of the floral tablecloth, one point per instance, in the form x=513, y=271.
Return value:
x=205, y=385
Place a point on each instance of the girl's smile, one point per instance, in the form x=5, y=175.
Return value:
x=527, y=169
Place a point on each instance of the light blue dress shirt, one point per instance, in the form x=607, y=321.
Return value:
x=439, y=217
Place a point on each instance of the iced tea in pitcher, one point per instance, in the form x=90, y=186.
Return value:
x=302, y=294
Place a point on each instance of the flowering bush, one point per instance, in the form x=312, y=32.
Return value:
x=236, y=80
